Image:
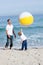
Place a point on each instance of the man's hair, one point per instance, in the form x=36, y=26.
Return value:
x=8, y=20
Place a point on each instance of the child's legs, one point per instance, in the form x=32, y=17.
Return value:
x=25, y=44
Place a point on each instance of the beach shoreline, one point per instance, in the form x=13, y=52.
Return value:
x=33, y=56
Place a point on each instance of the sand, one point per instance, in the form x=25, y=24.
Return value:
x=16, y=57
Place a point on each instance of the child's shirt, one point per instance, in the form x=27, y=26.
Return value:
x=23, y=37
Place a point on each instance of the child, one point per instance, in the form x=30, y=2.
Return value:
x=23, y=39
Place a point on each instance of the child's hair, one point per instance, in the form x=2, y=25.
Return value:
x=8, y=20
x=19, y=33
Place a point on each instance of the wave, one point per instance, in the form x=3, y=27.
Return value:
x=28, y=27
x=2, y=29
x=18, y=27
x=34, y=40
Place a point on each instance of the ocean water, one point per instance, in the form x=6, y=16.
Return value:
x=34, y=32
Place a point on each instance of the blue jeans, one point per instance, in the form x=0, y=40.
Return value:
x=24, y=44
x=11, y=41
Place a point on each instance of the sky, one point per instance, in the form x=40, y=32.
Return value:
x=15, y=7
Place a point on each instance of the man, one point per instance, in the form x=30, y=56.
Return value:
x=9, y=33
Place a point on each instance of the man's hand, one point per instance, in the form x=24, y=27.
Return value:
x=8, y=36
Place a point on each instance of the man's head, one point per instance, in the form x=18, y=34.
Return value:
x=19, y=33
x=9, y=21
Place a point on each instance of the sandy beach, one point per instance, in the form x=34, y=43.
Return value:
x=16, y=57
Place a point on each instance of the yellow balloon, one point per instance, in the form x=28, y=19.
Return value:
x=26, y=19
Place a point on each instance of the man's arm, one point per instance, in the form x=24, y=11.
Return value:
x=7, y=33
x=14, y=33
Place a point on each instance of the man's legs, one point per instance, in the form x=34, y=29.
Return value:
x=11, y=42
x=7, y=42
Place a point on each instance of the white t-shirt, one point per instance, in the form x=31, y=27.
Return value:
x=23, y=37
x=9, y=28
